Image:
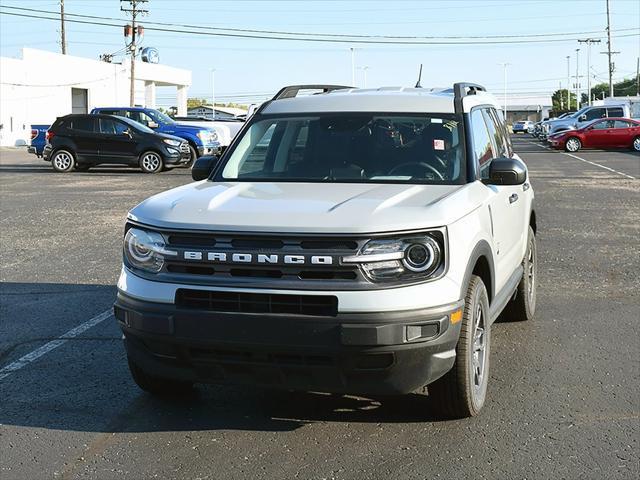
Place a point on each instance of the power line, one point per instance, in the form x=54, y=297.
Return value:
x=328, y=38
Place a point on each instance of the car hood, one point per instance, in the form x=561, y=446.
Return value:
x=308, y=207
x=192, y=128
x=166, y=135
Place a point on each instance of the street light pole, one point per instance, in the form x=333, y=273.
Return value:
x=353, y=67
x=213, y=93
x=577, y=79
x=504, y=66
x=568, y=83
x=589, y=41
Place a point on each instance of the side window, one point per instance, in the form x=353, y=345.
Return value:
x=595, y=113
x=621, y=124
x=600, y=126
x=615, y=112
x=83, y=124
x=498, y=131
x=108, y=112
x=112, y=127
x=482, y=147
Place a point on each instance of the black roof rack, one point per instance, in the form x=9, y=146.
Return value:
x=461, y=90
x=292, y=90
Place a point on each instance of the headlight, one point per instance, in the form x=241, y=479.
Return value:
x=173, y=143
x=412, y=258
x=145, y=250
x=207, y=136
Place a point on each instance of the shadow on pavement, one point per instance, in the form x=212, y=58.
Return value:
x=84, y=384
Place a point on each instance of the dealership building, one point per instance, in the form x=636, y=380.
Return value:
x=41, y=86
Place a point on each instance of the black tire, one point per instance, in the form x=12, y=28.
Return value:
x=462, y=391
x=151, y=162
x=573, y=144
x=523, y=306
x=63, y=161
x=635, y=145
x=193, y=156
x=157, y=385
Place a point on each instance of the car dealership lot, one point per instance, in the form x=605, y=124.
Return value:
x=563, y=399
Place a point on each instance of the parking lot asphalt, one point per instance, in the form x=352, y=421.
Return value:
x=564, y=393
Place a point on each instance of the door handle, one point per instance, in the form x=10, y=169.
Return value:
x=513, y=198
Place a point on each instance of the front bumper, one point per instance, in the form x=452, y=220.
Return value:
x=209, y=149
x=366, y=353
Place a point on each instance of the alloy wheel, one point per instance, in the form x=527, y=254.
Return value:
x=63, y=161
x=573, y=144
x=151, y=162
x=479, y=354
x=636, y=144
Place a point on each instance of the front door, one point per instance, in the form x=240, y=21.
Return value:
x=117, y=144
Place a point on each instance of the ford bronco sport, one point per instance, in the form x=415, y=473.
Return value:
x=353, y=241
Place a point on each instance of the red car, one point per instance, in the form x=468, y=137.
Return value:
x=602, y=133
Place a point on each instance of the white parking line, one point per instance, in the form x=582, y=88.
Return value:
x=53, y=344
x=586, y=161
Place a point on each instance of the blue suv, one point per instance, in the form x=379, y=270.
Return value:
x=202, y=141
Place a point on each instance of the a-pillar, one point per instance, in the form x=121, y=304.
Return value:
x=181, y=100
x=150, y=94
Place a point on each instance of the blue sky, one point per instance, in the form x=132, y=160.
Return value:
x=249, y=69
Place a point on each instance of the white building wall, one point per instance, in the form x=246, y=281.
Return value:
x=37, y=88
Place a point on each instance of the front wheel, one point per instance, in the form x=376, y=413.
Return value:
x=573, y=144
x=193, y=156
x=151, y=162
x=636, y=144
x=462, y=391
x=63, y=161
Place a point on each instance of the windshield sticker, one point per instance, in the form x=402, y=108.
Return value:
x=436, y=120
x=438, y=144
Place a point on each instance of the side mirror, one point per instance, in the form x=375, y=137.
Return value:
x=582, y=117
x=203, y=167
x=152, y=125
x=506, y=171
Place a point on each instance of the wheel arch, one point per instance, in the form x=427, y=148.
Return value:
x=481, y=264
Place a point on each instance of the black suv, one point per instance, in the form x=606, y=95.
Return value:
x=82, y=141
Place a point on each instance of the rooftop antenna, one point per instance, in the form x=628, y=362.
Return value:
x=419, y=78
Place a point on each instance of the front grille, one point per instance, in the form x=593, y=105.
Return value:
x=184, y=148
x=237, y=302
x=205, y=271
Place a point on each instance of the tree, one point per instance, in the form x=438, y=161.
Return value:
x=626, y=87
x=195, y=102
x=559, y=101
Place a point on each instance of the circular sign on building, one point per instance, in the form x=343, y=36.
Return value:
x=150, y=55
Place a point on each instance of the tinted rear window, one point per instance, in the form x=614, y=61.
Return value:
x=83, y=124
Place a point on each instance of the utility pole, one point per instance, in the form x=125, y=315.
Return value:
x=504, y=66
x=568, y=84
x=609, y=53
x=589, y=41
x=134, y=11
x=63, y=38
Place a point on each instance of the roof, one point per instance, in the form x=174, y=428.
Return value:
x=384, y=99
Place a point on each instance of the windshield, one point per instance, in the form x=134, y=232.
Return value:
x=354, y=147
x=580, y=112
x=160, y=117
x=136, y=125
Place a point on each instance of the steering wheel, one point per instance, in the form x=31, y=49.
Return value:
x=408, y=166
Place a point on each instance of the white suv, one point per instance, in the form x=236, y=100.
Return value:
x=352, y=241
